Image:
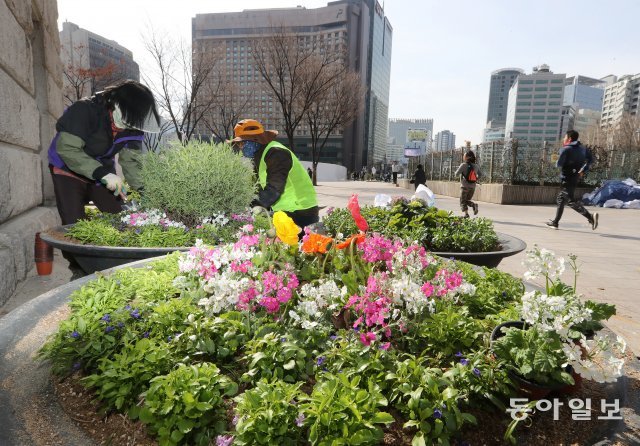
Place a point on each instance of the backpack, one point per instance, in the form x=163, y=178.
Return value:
x=471, y=175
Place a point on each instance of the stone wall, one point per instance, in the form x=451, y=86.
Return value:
x=31, y=92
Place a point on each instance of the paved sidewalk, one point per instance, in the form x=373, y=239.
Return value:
x=609, y=257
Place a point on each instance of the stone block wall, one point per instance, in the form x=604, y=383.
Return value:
x=31, y=92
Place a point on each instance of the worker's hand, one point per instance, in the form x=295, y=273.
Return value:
x=114, y=183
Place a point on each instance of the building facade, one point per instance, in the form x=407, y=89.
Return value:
x=534, y=112
x=105, y=60
x=621, y=98
x=399, y=128
x=444, y=140
x=501, y=81
x=359, y=26
x=582, y=92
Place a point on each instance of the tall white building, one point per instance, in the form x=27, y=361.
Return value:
x=620, y=98
x=534, y=112
x=444, y=140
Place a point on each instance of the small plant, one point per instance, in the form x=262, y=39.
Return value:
x=341, y=411
x=275, y=356
x=186, y=406
x=197, y=181
x=269, y=414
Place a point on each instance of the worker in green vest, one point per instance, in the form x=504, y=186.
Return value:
x=284, y=184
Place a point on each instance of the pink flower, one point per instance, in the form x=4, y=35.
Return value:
x=427, y=289
x=367, y=338
x=270, y=304
x=385, y=346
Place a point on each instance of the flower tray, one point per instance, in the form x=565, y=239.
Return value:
x=509, y=245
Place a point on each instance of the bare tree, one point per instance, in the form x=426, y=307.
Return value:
x=80, y=81
x=227, y=107
x=179, y=76
x=292, y=69
x=338, y=105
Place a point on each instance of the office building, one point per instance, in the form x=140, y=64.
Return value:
x=104, y=61
x=583, y=92
x=493, y=134
x=359, y=26
x=585, y=119
x=501, y=81
x=621, y=98
x=399, y=128
x=534, y=112
x=444, y=140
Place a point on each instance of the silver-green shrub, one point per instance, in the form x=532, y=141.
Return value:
x=197, y=181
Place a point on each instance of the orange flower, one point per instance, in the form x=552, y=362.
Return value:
x=315, y=243
x=359, y=238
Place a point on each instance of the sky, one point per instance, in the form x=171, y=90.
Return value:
x=443, y=50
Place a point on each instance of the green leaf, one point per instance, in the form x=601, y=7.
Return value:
x=290, y=365
x=418, y=440
x=383, y=417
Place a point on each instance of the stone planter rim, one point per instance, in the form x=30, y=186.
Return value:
x=515, y=245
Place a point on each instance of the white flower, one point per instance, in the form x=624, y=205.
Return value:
x=542, y=262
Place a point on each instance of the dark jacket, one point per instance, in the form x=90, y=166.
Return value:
x=85, y=145
x=419, y=177
x=573, y=158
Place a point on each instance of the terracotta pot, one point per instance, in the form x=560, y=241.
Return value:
x=43, y=256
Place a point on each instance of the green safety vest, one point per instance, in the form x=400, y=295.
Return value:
x=298, y=193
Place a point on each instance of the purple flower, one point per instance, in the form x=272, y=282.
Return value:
x=320, y=360
x=300, y=420
x=235, y=420
x=76, y=366
x=169, y=338
x=145, y=334
x=476, y=371
x=127, y=307
x=109, y=329
x=135, y=314
x=437, y=413
x=464, y=361
x=224, y=440
x=75, y=334
x=459, y=355
x=120, y=324
x=333, y=337
x=283, y=339
x=106, y=318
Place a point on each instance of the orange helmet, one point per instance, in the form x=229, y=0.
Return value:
x=250, y=129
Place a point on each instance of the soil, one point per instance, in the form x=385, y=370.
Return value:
x=539, y=430
x=62, y=236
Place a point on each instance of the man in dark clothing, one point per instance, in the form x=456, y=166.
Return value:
x=419, y=177
x=284, y=184
x=574, y=161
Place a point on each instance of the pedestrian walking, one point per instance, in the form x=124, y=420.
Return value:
x=284, y=184
x=395, y=169
x=469, y=173
x=373, y=172
x=574, y=162
x=419, y=177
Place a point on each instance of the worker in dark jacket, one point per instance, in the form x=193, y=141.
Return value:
x=89, y=135
x=574, y=162
x=284, y=184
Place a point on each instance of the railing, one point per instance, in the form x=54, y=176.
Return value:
x=517, y=162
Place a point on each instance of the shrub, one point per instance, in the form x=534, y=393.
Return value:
x=197, y=181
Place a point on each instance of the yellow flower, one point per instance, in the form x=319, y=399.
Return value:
x=286, y=229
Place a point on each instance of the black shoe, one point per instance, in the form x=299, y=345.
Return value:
x=475, y=208
x=466, y=215
x=594, y=221
x=552, y=224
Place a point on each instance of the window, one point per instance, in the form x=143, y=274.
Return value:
x=522, y=82
x=557, y=81
x=526, y=89
x=538, y=110
x=556, y=103
x=540, y=96
x=523, y=103
x=555, y=88
x=537, y=117
x=555, y=95
x=542, y=81
x=539, y=103
x=525, y=96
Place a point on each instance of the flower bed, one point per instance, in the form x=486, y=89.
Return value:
x=435, y=229
x=271, y=341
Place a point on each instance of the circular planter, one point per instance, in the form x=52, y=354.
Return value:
x=531, y=389
x=510, y=246
x=92, y=258
x=29, y=410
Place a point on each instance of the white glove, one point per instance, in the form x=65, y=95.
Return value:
x=114, y=183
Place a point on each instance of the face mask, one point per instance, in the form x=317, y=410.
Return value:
x=149, y=125
x=249, y=148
